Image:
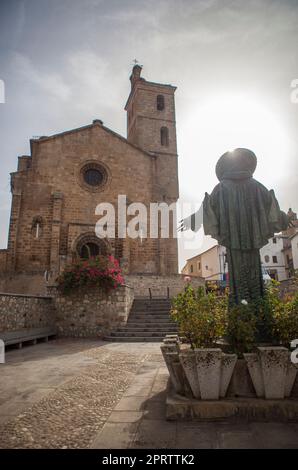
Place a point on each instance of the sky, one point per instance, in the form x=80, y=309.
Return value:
x=67, y=62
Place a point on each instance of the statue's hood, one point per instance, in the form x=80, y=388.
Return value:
x=237, y=164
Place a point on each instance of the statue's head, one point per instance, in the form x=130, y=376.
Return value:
x=237, y=164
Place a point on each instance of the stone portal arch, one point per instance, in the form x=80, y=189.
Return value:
x=89, y=245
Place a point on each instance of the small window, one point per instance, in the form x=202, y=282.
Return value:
x=164, y=136
x=199, y=265
x=274, y=240
x=37, y=227
x=160, y=102
x=266, y=258
x=191, y=268
x=274, y=259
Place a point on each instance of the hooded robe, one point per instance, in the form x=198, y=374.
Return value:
x=241, y=214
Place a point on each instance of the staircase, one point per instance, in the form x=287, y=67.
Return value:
x=149, y=321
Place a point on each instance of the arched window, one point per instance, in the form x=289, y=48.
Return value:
x=89, y=250
x=164, y=136
x=160, y=102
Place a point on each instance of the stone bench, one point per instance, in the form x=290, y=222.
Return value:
x=19, y=337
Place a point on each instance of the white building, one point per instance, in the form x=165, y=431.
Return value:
x=294, y=245
x=272, y=258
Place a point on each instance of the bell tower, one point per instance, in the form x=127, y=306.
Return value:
x=151, y=125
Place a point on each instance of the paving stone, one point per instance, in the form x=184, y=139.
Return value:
x=196, y=436
x=131, y=404
x=238, y=440
x=125, y=416
x=155, y=434
x=276, y=435
x=115, y=436
x=154, y=409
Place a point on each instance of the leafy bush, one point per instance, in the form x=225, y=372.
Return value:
x=102, y=272
x=201, y=317
x=241, y=329
x=204, y=318
x=285, y=316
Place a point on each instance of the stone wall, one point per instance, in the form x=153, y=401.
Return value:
x=159, y=284
x=23, y=283
x=20, y=311
x=92, y=314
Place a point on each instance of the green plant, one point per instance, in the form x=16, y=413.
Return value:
x=241, y=328
x=285, y=326
x=201, y=317
x=102, y=272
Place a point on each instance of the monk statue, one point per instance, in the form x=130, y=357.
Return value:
x=241, y=214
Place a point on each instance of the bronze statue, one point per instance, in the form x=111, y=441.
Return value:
x=241, y=214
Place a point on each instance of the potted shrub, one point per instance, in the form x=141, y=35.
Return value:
x=201, y=319
x=260, y=333
x=271, y=370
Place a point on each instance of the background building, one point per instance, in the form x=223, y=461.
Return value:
x=294, y=245
x=210, y=264
x=272, y=258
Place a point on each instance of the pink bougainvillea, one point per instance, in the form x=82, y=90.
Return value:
x=101, y=271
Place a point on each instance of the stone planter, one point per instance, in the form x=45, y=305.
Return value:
x=204, y=372
x=189, y=365
x=272, y=373
x=170, y=351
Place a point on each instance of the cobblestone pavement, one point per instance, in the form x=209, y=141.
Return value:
x=59, y=395
x=82, y=393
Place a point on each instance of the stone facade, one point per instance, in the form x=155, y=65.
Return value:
x=159, y=284
x=28, y=283
x=92, y=314
x=53, y=205
x=3, y=255
x=20, y=311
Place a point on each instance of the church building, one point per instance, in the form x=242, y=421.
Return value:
x=56, y=189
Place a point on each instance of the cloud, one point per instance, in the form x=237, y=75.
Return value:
x=51, y=83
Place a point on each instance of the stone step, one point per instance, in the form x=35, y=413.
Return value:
x=144, y=334
x=153, y=301
x=153, y=310
x=151, y=325
x=153, y=304
x=147, y=330
x=135, y=339
x=151, y=314
x=150, y=317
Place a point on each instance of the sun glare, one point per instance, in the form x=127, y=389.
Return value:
x=223, y=123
